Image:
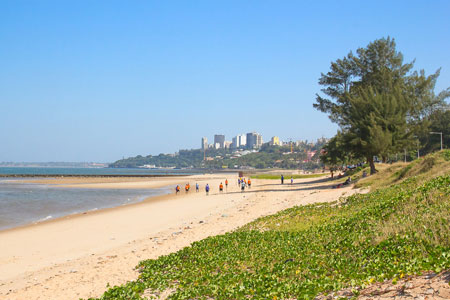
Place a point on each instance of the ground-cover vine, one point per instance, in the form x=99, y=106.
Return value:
x=306, y=250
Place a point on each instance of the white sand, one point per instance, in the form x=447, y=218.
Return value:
x=77, y=256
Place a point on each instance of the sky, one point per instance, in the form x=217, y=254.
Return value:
x=102, y=80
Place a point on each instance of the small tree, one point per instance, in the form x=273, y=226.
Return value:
x=335, y=153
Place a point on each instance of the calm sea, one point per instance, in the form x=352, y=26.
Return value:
x=25, y=203
x=92, y=171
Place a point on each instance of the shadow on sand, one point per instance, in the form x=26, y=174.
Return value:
x=299, y=186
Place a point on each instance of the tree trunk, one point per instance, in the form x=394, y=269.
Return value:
x=372, y=165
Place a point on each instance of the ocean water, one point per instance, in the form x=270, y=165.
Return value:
x=92, y=171
x=25, y=203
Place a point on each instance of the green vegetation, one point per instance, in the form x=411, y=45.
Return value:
x=267, y=157
x=432, y=165
x=389, y=233
x=287, y=177
x=183, y=159
x=381, y=105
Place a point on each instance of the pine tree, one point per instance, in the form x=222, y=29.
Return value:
x=377, y=101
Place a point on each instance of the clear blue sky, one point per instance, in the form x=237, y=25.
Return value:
x=99, y=80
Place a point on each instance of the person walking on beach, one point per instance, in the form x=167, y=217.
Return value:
x=177, y=189
x=196, y=187
x=221, y=187
x=226, y=184
x=282, y=179
x=207, y=189
x=249, y=182
x=242, y=186
x=292, y=180
x=187, y=187
x=239, y=181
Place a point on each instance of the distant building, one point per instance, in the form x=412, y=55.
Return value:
x=242, y=139
x=227, y=144
x=322, y=140
x=234, y=143
x=254, y=140
x=310, y=154
x=219, y=139
x=204, y=143
x=239, y=141
x=275, y=141
x=217, y=146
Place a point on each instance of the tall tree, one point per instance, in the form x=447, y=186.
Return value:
x=377, y=123
x=362, y=90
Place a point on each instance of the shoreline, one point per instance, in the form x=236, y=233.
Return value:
x=103, y=247
x=150, y=199
x=93, y=184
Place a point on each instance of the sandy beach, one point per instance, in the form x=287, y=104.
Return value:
x=77, y=256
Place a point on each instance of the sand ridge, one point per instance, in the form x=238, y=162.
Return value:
x=78, y=257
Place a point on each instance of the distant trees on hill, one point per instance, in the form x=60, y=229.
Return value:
x=267, y=157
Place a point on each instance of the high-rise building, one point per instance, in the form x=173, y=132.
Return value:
x=242, y=139
x=234, y=143
x=275, y=141
x=204, y=143
x=239, y=141
x=254, y=140
x=220, y=139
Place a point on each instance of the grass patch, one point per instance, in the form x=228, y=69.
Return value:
x=286, y=177
x=432, y=165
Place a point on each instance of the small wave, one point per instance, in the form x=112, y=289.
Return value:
x=44, y=219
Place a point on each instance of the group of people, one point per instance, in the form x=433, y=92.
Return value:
x=187, y=187
x=282, y=179
x=243, y=183
x=346, y=182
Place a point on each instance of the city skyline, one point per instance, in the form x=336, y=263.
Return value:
x=240, y=141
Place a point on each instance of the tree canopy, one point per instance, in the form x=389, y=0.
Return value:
x=377, y=100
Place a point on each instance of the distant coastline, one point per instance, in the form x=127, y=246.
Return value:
x=93, y=172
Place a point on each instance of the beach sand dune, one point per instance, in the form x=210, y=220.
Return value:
x=77, y=256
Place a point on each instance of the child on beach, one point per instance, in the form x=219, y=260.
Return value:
x=207, y=189
x=177, y=189
x=249, y=182
x=292, y=180
x=242, y=186
x=239, y=181
x=221, y=187
x=226, y=183
x=282, y=179
x=196, y=187
x=187, y=187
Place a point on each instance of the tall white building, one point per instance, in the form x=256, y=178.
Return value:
x=242, y=140
x=239, y=141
